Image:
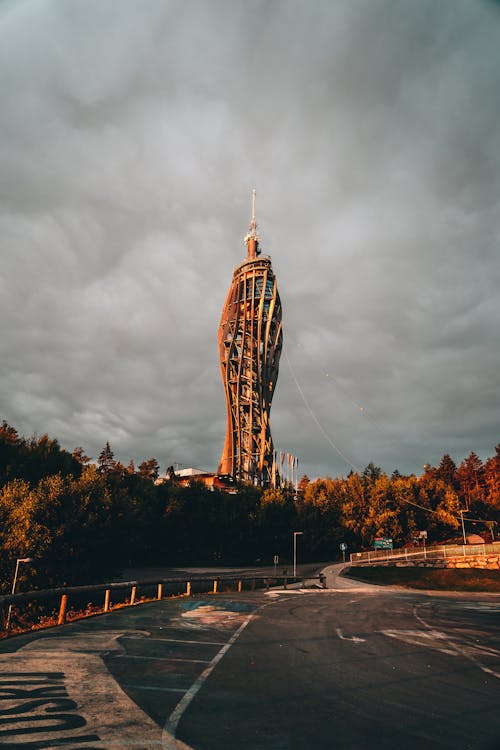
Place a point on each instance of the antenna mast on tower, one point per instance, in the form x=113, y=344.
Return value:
x=252, y=239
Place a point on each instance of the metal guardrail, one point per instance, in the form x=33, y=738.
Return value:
x=424, y=553
x=56, y=601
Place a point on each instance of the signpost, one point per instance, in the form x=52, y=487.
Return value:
x=18, y=561
x=343, y=547
x=295, y=535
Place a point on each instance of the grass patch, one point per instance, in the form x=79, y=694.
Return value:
x=441, y=579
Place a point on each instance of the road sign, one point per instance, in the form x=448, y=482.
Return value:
x=383, y=543
x=276, y=560
x=343, y=546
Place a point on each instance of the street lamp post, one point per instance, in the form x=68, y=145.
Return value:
x=463, y=525
x=14, y=583
x=295, y=535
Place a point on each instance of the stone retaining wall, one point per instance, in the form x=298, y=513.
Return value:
x=486, y=562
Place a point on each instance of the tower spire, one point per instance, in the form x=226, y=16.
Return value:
x=252, y=238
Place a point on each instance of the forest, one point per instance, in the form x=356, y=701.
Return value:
x=82, y=521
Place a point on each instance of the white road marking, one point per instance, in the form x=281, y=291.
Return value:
x=174, y=718
x=174, y=640
x=275, y=594
x=151, y=687
x=162, y=658
x=353, y=638
x=463, y=650
x=429, y=639
x=483, y=607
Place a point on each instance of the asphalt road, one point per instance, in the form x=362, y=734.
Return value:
x=351, y=667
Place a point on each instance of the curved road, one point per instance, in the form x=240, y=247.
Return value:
x=351, y=667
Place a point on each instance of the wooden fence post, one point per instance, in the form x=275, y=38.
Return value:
x=188, y=588
x=215, y=585
x=106, y=600
x=62, y=610
x=240, y=586
x=160, y=591
x=133, y=594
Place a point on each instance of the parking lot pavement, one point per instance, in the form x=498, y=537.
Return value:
x=118, y=680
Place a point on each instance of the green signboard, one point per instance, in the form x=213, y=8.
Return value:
x=383, y=543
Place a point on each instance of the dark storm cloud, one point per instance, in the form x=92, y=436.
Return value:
x=131, y=137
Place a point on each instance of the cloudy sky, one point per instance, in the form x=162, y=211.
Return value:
x=131, y=136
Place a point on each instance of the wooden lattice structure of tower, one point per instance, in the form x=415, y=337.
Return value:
x=250, y=341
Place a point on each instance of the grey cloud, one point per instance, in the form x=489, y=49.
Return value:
x=131, y=137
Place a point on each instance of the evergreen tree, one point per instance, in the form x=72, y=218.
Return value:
x=470, y=478
x=9, y=452
x=106, y=461
x=372, y=472
x=447, y=471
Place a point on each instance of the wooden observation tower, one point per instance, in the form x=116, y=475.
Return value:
x=250, y=341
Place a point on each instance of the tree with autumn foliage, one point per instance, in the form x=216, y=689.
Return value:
x=150, y=469
x=82, y=522
x=33, y=458
x=318, y=516
x=491, y=476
